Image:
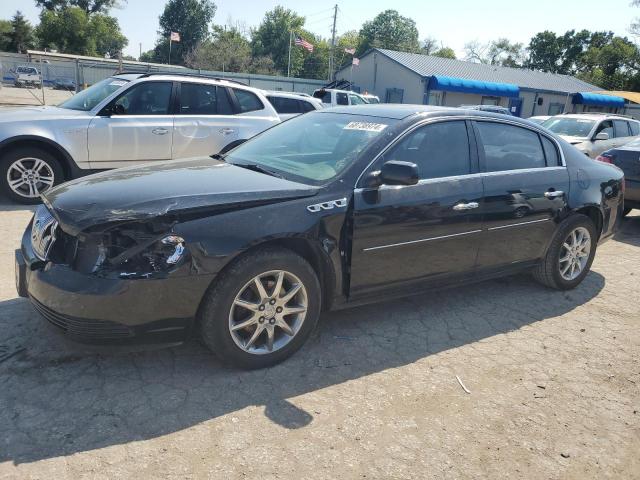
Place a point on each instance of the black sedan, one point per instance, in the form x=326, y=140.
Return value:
x=331, y=209
x=627, y=158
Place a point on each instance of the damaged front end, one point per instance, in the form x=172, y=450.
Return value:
x=123, y=250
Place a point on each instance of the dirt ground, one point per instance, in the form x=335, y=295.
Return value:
x=10, y=95
x=554, y=381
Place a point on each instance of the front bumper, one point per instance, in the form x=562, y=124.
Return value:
x=92, y=309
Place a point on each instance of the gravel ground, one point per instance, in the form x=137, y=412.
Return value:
x=554, y=381
x=10, y=95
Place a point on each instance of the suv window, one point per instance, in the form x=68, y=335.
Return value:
x=621, y=128
x=507, y=147
x=284, y=104
x=200, y=99
x=307, y=106
x=249, y=101
x=606, y=127
x=148, y=98
x=550, y=152
x=635, y=128
x=439, y=150
x=341, y=98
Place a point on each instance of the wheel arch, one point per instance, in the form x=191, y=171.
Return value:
x=48, y=145
x=595, y=214
x=305, y=248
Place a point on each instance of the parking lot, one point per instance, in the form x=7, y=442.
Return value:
x=554, y=382
x=11, y=96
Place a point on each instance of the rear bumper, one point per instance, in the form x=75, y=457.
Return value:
x=93, y=309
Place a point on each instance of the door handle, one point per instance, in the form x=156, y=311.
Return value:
x=226, y=131
x=554, y=193
x=466, y=206
x=159, y=131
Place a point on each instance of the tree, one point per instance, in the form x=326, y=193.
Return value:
x=189, y=18
x=272, y=38
x=496, y=52
x=611, y=62
x=5, y=35
x=429, y=46
x=315, y=64
x=389, y=30
x=348, y=40
x=227, y=50
x=89, y=6
x=635, y=25
x=21, y=37
x=72, y=30
x=445, y=52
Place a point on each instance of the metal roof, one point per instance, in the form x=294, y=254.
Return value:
x=427, y=66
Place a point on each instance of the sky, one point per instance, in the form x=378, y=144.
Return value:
x=453, y=22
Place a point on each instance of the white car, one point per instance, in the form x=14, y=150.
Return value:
x=593, y=133
x=124, y=120
x=27, y=76
x=332, y=97
x=539, y=119
x=291, y=104
x=371, y=98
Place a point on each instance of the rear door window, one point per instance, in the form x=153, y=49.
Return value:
x=440, y=150
x=248, y=101
x=621, y=128
x=635, y=128
x=200, y=99
x=550, y=152
x=307, y=106
x=507, y=147
x=284, y=104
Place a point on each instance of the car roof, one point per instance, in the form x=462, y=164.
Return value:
x=402, y=111
x=297, y=96
x=595, y=116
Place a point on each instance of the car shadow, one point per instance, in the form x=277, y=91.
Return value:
x=629, y=231
x=60, y=398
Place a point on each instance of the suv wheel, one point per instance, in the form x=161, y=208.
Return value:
x=570, y=254
x=26, y=173
x=262, y=309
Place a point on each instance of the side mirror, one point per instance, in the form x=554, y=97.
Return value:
x=118, y=109
x=602, y=136
x=396, y=172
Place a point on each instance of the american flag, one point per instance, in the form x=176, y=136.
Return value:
x=303, y=43
x=175, y=37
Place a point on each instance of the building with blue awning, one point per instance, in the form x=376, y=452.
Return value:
x=401, y=77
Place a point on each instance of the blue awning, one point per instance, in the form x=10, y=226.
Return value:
x=453, y=84
x=587, y=98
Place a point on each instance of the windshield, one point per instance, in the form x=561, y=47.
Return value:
x=313, y=148
x=92, y=96
x=571, y=127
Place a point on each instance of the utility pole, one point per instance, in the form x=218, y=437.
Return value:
x=333, y=42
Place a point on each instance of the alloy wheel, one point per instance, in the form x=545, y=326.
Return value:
x=268, y=312
x=574, y=253
x=29, y=177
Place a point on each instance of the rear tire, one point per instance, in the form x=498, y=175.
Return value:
x=234, y=300
x=28, y=172
x=567, y=262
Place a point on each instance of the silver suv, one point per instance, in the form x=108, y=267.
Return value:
x=593, y=133
x=124, y=120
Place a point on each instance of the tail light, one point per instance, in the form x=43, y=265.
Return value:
x=604, y=158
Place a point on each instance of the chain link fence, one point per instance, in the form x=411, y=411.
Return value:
x=74, y=74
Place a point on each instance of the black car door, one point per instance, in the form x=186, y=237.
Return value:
x=526, y=186
x=411, y=233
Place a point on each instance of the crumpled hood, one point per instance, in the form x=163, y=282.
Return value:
x=163, y=188
x=573, y=140
x=31, y=114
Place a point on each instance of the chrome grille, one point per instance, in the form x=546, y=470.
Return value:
x=43, y=232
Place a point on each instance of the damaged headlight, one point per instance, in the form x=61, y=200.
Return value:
x=132, y=251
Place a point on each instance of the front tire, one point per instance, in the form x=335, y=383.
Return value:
x=261, y=310
x=28, y=172
x=570, y=255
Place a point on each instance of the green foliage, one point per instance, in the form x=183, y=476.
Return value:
x=21, y=37
x=5, y=35
x=389, y=30
x=89, y=6
x=445, y=52
x=72, y=30
x=227, y=50
x=191, y=19
x=349, y=39
x=272, y=38
x=497, y=52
